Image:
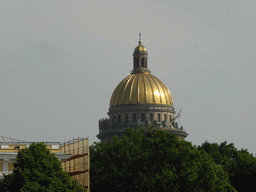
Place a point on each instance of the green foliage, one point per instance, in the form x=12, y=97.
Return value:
x=221, y=153
x=240, y=165
x=153, y=161
x=37, y=169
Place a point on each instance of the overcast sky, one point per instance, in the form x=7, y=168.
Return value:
x=60, y=62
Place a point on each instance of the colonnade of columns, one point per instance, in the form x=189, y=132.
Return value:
x=139, y=62
x=157, y=116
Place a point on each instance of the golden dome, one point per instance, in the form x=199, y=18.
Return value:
x=141, y=88
x=140, y=50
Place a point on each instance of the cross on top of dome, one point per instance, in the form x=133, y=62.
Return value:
x=140, y=38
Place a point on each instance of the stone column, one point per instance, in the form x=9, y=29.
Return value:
x=154, y=116
x=147, y=115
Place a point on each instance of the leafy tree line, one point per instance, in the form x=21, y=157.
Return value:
x=38, y=170
x=239, y=164
x=154, y=161
x=159, y=161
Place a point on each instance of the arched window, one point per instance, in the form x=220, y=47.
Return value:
x=151, y=117
x=165, y=117
x=142, y=117
x=119, y=119
x=137, y=62
x=134, y=117
x=142, y=62
x=159, y=117
x=146, y=63
x=114, y=119
x=126, y=118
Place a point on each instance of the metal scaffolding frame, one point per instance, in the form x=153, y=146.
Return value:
x=78, y=165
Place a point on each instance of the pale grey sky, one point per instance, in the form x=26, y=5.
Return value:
x=60, y=61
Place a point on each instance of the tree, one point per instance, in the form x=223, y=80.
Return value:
x=239, y=164
x=37, y=169
x=153, y=161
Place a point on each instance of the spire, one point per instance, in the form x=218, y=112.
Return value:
x=140, y=38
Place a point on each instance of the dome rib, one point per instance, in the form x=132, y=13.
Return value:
x=152, y=90
x=163, y=88
x=141, y=88
x=129, y=78
x=145, y=91
x=166, y=96
x=114, y=98
x=159, y=92
x=131, y=90
x=167, y=92
x=114, y=95
x=118, y=95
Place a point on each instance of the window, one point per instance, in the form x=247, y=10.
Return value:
x=137, y=63
x=170, y=118
x=151, y=117
x=134, y=117
x=159, y=117
x=143, y=117
x=114, y=119
x=126, y=118
x=142, y=62
x=165, y=117
x=119, y=119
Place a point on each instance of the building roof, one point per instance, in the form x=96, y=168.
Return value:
x=141, y=88
x=140, y=50
x=8, y=140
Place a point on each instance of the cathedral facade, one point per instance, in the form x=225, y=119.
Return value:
x=140, y=99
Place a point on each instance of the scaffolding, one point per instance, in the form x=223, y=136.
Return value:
x=77, y=166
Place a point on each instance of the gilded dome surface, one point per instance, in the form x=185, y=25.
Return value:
x=140, y=50
x=142, y=88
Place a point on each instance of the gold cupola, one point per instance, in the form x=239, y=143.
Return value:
x=141, y=87
x=140, y=58
x=140, y=50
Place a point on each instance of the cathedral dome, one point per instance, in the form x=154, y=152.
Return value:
x=140, y=99
x=141, y=88
x=140, y=50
